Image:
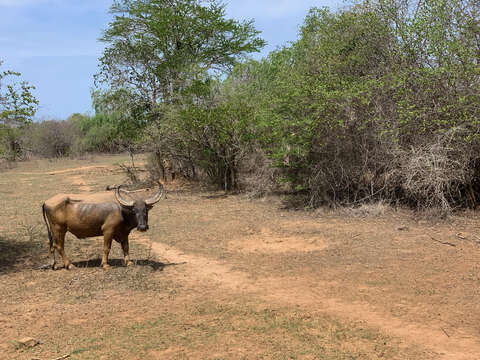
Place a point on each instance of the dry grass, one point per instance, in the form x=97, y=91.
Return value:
x=224, y=277
x=371, y=210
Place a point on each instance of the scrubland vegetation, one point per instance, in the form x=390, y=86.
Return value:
x=376, y=104
x=377, y=101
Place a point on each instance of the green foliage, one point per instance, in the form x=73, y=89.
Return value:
x=100, y=133
x=221, y=130
x=161, y=48
x=342, y=110
x=160, y=66
x=212, y=133
x=17, y=108
x=378, y=100
x=126, y=111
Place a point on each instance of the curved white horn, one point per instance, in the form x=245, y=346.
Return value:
x=156, y=197
x=122, y=201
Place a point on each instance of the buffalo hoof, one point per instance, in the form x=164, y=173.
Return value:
x=105, y=266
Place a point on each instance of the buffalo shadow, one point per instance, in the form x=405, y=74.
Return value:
x=154, y=265
x=17, y=255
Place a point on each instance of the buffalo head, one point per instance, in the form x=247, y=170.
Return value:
x=139, y=208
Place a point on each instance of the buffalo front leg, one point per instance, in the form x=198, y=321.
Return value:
x=126, y=256
x=107, y=244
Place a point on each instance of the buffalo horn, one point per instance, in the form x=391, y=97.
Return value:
x=121, y=200
x=156, y=197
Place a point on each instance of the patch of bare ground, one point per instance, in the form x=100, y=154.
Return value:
x=408, y=281
x=269, y=241
x=78, y=181
x=312, y=296
x=225, y=277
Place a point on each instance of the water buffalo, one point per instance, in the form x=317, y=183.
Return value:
x=102, y=214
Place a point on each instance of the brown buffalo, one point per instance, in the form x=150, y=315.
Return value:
x=102, y=214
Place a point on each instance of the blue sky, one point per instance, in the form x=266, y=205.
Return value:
x=53, y=43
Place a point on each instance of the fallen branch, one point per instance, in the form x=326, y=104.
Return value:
x=63, y=357
x=443, y=242
x=58, y=358
x=461, y=236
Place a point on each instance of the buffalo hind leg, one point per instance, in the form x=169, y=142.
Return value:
x=51, y=250
x=107, y=244
x=58, y=244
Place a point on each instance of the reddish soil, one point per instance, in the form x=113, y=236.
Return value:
x=233, y=278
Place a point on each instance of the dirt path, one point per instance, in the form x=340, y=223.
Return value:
x=81, y=168
x=298, y=292
x=78, y=180
x=63, y=171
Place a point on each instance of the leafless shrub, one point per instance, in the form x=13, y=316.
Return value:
x=132, y=173
x=49, y=138
x=136, y=176
x=168, y=167
x=435, y=173
x=6, y=164
x=349, y=169
x=257, y=175
x=434, y=176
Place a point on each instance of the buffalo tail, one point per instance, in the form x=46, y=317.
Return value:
x=50, y=235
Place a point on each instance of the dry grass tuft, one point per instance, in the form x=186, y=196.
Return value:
x=371, y=210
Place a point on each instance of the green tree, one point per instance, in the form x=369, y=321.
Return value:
x=129, y=114
x=17, y=108
x=161, y=49
x=218, y=130
x=372, y=94
x=166, y=54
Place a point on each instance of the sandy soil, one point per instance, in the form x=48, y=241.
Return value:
x=235, y=278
